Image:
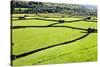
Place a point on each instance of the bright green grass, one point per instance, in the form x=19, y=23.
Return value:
x=22, y=8
x=29, y=39
x=41, y=37
x=38, y=22
x=82, y=24
x=31, y=22
x=79, y=51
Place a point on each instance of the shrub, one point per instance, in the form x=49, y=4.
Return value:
x=61, y=21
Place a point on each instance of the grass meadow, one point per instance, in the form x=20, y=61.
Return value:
x=46, y=41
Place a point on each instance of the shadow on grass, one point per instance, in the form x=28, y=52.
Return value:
x=41, y=49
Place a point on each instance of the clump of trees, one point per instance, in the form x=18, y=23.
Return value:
x=91, y=30
x=87, y=18
x=61, y=21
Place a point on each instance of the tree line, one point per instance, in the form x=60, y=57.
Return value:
x=42, y=7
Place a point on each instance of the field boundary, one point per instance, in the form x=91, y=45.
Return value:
x=35, y=51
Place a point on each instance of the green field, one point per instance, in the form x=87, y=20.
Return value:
x=35, y=35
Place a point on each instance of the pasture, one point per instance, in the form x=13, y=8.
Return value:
x=43, y=40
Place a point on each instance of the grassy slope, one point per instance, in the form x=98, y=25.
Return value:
x=82, y=50
x=38, y=38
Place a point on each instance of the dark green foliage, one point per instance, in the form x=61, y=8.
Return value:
x=87, y=18
x=22, y=18
x=90, y=30
x=61, y=21
x=40, y=7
